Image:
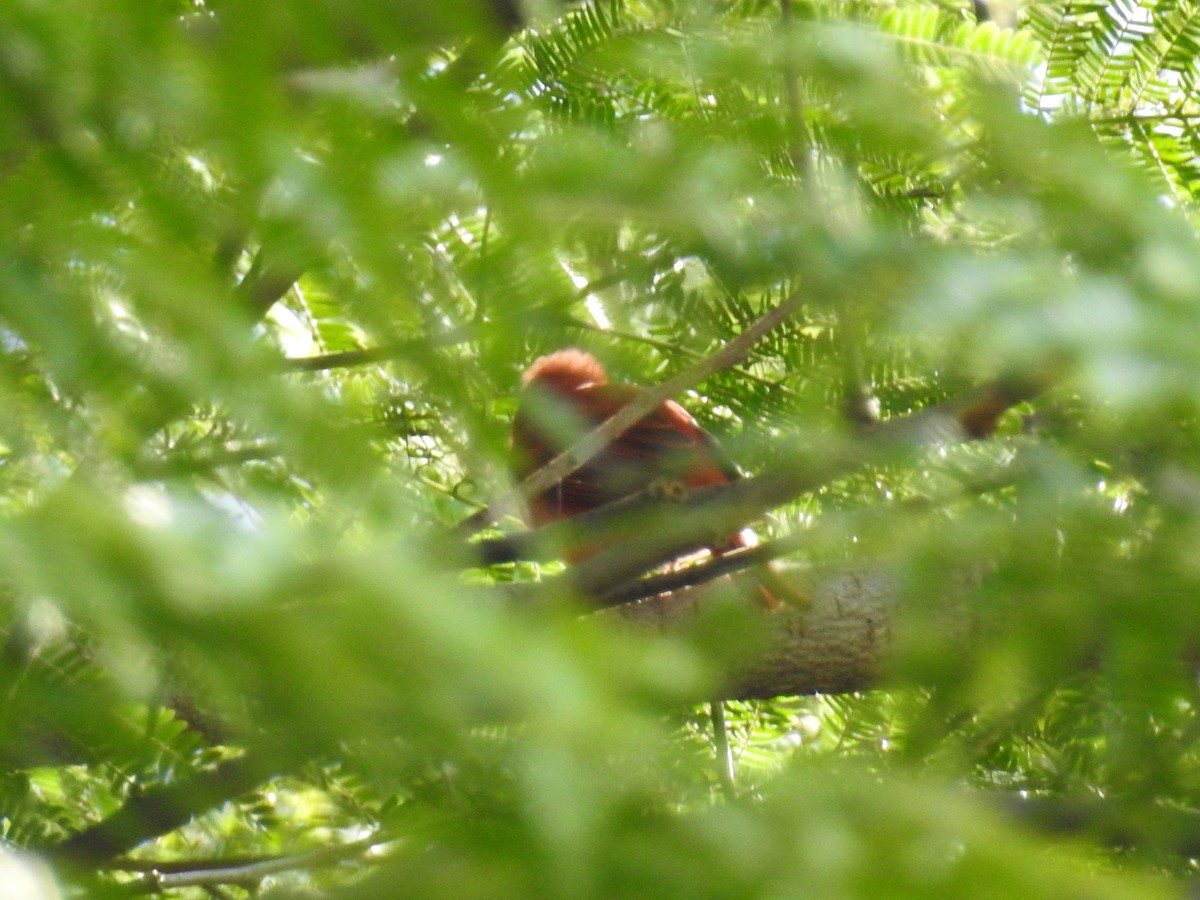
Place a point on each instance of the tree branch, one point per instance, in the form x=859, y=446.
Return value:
x=842, y=641
x=667, y=530
x=159, y=811
x=350, y=358
x=265, y=283
x=1110, y=822
x=205, y=460
x=798, y=141
x=703, y=573
x=158, y=877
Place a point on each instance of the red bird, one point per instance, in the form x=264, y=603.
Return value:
x=566, y=395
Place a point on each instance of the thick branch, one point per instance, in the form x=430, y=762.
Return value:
x=1110, y=822
x=265, y=283
x=667, y=531
x=840, y=643
x=158, y=811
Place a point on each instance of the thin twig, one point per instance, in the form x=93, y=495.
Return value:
x=205, y=461
x=798, y=139
x=1183, y=118
x=460, y=335
x=669, y=348
x=655, y=262
x=726, y=773
x=611, y=520
x=381, y=353
x=245, y=873
x=349, y=358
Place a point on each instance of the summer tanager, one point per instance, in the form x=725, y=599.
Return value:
x=566, y=395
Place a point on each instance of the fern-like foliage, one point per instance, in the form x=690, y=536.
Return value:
x=933, y=37
x=1129, y=68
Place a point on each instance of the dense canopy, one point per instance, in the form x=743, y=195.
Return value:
x=272, y=624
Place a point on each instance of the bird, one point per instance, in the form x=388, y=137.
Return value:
x=566, y=394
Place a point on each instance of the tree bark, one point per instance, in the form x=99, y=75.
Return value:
x=842, y=642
